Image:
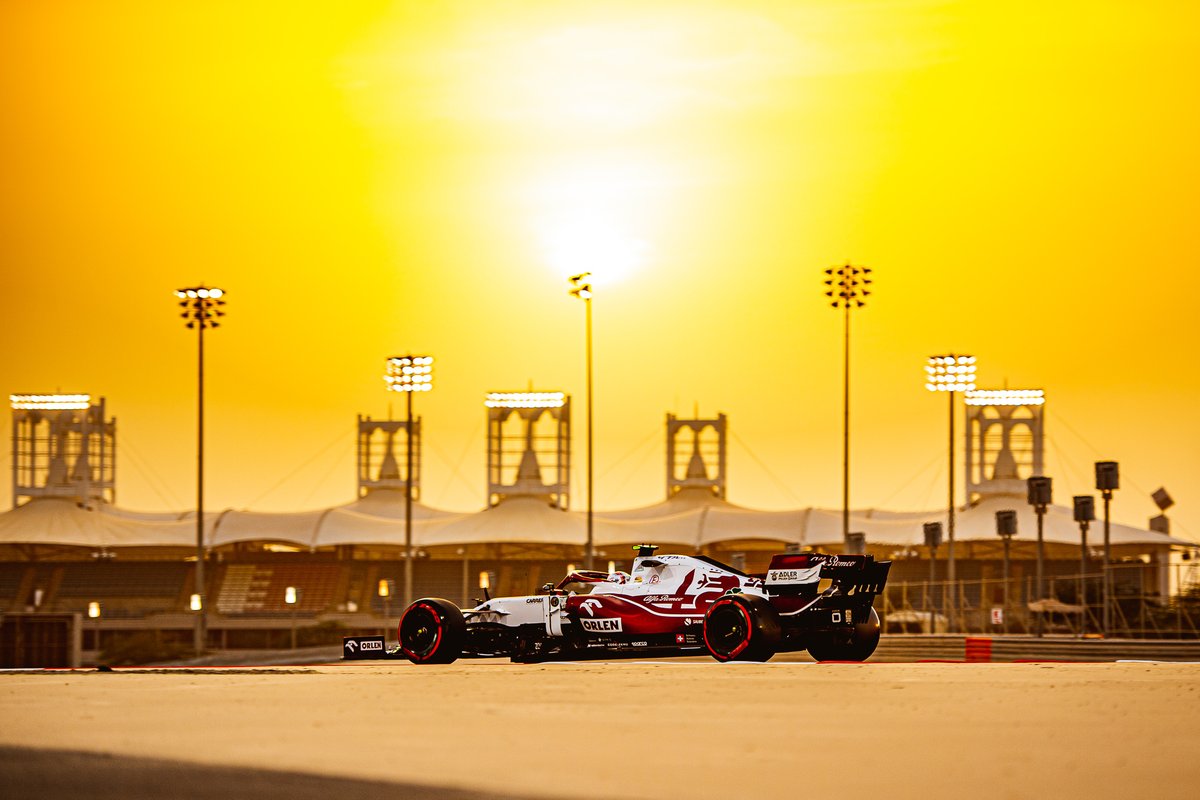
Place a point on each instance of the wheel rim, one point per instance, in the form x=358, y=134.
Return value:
x=727, y=631
x=420, y=632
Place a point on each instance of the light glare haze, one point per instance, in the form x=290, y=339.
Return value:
x=370, y=179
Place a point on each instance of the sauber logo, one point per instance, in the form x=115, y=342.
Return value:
x=588, y=604
x=602, y=625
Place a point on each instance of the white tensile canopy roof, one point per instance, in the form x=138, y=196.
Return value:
x=691, y=519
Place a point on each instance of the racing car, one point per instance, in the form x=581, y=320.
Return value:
x=667, y=605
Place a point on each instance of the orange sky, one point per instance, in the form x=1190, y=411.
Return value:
x=387, y=177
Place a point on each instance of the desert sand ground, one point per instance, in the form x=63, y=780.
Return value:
x=686, y=729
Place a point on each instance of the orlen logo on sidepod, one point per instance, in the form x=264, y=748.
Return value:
x=602, y=625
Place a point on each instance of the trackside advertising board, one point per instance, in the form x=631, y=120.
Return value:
x=361, y=648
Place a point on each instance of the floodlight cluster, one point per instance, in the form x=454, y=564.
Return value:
x=847, y=286
x=409, y=374
x=201, y=305
x=581, y=287
x=950, y=373
x=1006, y=397
x=525, y=400
x=49, y=402
x=201, y=292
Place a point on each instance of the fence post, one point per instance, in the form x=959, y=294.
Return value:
x=928, y=603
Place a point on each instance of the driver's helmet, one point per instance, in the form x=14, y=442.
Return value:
x=618, y=577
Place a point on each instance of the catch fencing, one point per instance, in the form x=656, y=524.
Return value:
x=1071, y=605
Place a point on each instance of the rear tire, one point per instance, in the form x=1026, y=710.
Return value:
x=861, y=645
x=432, y=631
x=741, y=627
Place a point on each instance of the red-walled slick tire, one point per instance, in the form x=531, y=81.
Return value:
x=432, y=631
x=741, y=627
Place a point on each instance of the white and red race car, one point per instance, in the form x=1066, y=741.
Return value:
x=668, y=605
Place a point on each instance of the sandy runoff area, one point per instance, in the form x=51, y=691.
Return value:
x=666, y=729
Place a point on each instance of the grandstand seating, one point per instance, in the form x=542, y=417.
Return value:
x=124, y=589
x=123, y=579
x=256, y=589
x=10, y=583
x=445, y=579
x=260, y=588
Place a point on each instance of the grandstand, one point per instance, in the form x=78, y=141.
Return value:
x=68, y=548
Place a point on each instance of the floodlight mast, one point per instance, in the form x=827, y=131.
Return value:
x=201, y=308
x=581, y=287
x=951, y=374
x=27, y=461
x=847, y=289
x=525, y=400
x=409, y=374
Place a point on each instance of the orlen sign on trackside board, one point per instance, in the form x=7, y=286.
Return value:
x=362, y=647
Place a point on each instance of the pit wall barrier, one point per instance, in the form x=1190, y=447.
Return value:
x=894, y=648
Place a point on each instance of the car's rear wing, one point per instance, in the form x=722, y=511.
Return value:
x=800, y=574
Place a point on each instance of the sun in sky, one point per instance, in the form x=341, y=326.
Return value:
x=592, y=218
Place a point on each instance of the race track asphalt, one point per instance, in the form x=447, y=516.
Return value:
x=601, y=730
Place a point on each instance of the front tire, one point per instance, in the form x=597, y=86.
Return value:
x=741, y=627
x=861, y=645
x=432, y=631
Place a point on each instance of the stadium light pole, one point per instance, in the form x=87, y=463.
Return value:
x=1040, y=495
x=201, y=308
x=847, y=289
x=950, y=374
x=409, y=374
x=581, y=287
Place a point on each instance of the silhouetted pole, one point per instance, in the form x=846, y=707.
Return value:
x=408, y=500
x=950, y=564
x=1040, y=494
x=933, y=538
x=1085, y=512
x=1006, y=527
x=844, y=293
x=409, y=374
x=1107, y=479
x=950, y=374
x=201, y=306
x=591, y=468
x=582, y=288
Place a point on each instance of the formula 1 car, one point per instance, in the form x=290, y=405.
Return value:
x=668, y=605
